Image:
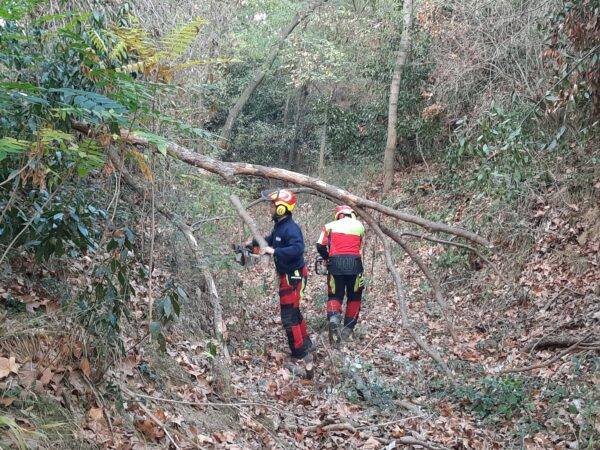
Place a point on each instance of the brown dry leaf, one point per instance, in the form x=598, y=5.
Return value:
x=126, y=365
x=95, y=414
x=7, y=366
x=7, y=401
x=469, y=356
x=84, y=365
x=46, y=376
x=161, y=415
x=150, y=429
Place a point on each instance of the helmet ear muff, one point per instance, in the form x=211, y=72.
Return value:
x=280, y=210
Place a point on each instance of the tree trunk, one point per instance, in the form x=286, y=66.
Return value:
x=230, y=169
x=235, y=111
x=322, y=147
x=390, y=146
x=298, y=125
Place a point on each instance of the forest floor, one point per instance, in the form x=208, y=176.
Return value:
x=526, y=366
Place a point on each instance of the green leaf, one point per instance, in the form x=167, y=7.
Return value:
x=154, y=329
x=182, y=293
x=167, y=307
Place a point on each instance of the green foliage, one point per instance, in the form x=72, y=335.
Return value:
x=101, y=309
x=497, y=399
x=61, y=70
x=574, y=51
x=501, y=156
x=168, y=309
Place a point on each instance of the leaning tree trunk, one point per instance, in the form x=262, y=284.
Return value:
x=228, y=169
x=390, y=146
x=235, y=111
x=322, y=147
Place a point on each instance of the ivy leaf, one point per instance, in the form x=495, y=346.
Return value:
x=155, y=329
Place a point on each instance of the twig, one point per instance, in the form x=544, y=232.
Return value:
x=137, y=343
x=550, y=361
x=458, y=244
x=158, y=422
x=26, y=226
x=15, y=174
x=101, y=403
x=401, y=296
x=221, y=404
x=557, y=295
x=554, y=342
x=248, y=219
x=334, y=371
x=391, y=422
x=196, y=224
x=437, y=289
x=333, y=427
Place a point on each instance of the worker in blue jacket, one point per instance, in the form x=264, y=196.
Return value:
x=286, y=244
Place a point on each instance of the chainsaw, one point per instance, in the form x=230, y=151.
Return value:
x=320, y=266
x=245, y=255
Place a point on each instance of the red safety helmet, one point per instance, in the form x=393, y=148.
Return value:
x=284, y=200
x=343, y=210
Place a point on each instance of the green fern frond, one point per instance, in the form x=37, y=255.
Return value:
x=140, y=66
x=98, y=41
x=119, y=51
x=200, y=62
x=10, y=145
x=47, y=135
x=137, y=40
x=176, y=42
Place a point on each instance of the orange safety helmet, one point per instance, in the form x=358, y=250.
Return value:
x=343, y=210
x=284, y=200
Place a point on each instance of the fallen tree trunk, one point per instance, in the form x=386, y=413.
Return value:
x=230, y=169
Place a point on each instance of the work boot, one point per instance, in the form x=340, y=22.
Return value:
x=334, y=329
x=309, y=366
x=302, y=367
x=311, y=346
x=346, y=333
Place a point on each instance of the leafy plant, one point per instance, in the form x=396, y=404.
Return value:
x=168, y=309
x=496, y=398
x=101, y=309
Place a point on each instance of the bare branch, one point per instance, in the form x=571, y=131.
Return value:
x=437, y=288
x=400, y=295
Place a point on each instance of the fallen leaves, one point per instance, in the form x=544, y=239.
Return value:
x=8, y=366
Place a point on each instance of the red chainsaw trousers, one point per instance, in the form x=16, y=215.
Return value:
x=291, y=292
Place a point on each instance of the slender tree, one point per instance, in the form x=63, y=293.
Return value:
x=237, y=108
x=390, y=146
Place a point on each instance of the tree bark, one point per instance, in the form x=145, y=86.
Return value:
x=230, y=169
x=298, y=126
x=390, y=146
x=235, y=111
x=322, y=147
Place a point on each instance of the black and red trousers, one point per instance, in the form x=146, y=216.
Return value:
x=349, y=286
x=291, y=292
